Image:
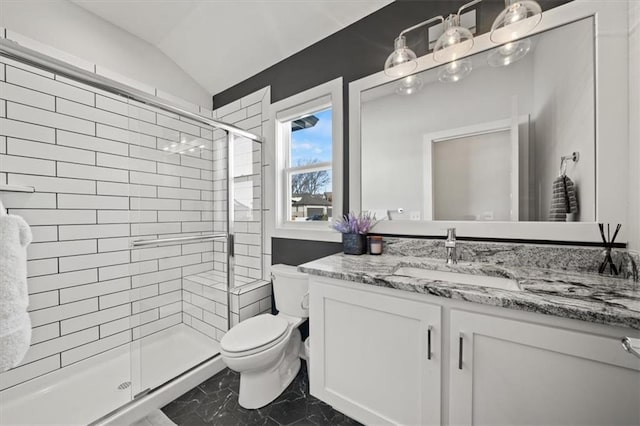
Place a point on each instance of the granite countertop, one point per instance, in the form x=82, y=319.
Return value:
x=576, y=295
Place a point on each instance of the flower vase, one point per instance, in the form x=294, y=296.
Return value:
x=354, y=243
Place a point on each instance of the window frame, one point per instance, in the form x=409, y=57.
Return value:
x=321, y=97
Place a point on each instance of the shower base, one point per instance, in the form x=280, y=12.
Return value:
x=86, y=391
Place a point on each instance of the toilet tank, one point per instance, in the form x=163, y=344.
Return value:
x=289, y=288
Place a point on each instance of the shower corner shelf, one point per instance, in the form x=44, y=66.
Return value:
x=16, y=188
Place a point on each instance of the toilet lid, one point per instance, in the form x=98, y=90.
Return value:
x=253, y=333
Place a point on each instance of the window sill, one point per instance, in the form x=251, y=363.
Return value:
x=311, y=232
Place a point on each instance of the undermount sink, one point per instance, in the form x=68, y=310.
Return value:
x=459, y=278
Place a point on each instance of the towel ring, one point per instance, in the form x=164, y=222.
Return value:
x=575, y=157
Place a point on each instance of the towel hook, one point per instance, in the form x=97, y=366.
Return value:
x=575, y=157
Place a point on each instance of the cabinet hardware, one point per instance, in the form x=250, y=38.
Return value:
x=460, y=352
x=631, y=345
x=429, y=342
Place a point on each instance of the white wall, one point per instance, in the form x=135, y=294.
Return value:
x=634, y=126
x=68, y=27
x=564, y=113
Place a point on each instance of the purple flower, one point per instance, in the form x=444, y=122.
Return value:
x=355, y=224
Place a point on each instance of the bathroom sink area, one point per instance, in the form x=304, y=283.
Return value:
x=459, y=278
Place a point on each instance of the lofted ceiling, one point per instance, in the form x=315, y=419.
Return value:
x=220, y=43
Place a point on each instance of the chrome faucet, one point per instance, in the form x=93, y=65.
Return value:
x=450, y=246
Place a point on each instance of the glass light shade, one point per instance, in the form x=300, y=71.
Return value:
x=409, y=85
x=455, y=71
x=515, y=21
x=402, y=61
x=454, y=42
x=509, y=53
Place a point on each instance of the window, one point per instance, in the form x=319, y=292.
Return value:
x=308, y=162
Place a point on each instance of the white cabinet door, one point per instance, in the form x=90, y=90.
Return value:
x=508, y=372
x=370, y=355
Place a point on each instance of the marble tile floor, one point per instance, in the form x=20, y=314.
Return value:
x=215, y=402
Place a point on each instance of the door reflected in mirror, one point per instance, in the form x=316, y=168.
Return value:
x=486, y=144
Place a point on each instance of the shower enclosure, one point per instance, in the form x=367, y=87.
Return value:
x=167, y=204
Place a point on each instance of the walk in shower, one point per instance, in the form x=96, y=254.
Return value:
x=146, y=216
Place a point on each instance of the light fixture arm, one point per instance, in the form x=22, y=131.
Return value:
x=422, y=24
x=468, y=5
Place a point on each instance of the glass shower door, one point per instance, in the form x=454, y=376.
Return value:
x=179, y=291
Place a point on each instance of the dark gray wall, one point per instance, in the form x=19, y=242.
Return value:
x=351, y=53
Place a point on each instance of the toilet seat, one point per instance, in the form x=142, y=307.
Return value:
x=254, y=335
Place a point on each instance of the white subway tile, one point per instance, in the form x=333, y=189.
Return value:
x=54, y=346
x=95, y=318
x=179, y=125
x=74, y=263
x=23, y=66
x=26, y=372
x=178, y=216
x=106, y=72
x=35, y=200
x=155, y=253
x=56, y=217
x=156, y=326
x=204, y=328
x=126, y=270
x=106, y=216
x=31, y=166
x=37, y=268
x=153, y=130
x=170, y=309
x=196, y=205
x=23, y=95
x=59, y=281
x=154, y=204
x=155, y=277
x=154, y=179
x=174, y=170
x=156, y=301
x=48, y=85
x=80, y=292
x=43, y=300
x=128, y=323
x=185, y=160
x=197, y=227
x=48, y=118
x=18, y=129
x=74, y=232
x=53, y=184
x=155, y=228
x=43, y=333
x=153, y=154
x=93, y=348
x=131, y=190
x=58, y=249
x=169, y=286
x=113, y=244
x=68, y=310
x=179, y=261
x=181, y=194
x=118, y=106
x=92, y=114
x=44, y=233
x=216, y=321
x=206, y=185
x=49, y=151
x=92, y=202
x=91, y=143
x=127, y=163
x=92, y=172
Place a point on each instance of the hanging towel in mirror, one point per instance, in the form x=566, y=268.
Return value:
x=563, y=200
x=15, y=324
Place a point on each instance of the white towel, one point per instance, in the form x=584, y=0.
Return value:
x=15, y=324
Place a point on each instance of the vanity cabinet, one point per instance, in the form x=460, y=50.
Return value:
x=370, y=359
x=508, y=372
x=375, y=357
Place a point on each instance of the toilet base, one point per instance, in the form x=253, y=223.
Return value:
x=260, y=387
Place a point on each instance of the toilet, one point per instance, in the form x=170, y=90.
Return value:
x=265, y=349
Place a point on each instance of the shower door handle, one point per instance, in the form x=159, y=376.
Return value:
x=429, y=328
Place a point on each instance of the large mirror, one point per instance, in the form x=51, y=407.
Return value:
x=524, y=140
x=490, y=137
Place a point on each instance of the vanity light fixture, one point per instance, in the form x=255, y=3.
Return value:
x=518, y=18
x=509, y=53
x=456, y=41
x=403, y=60
x=455, y=71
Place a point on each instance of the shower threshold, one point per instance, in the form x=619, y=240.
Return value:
x=87, y=390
